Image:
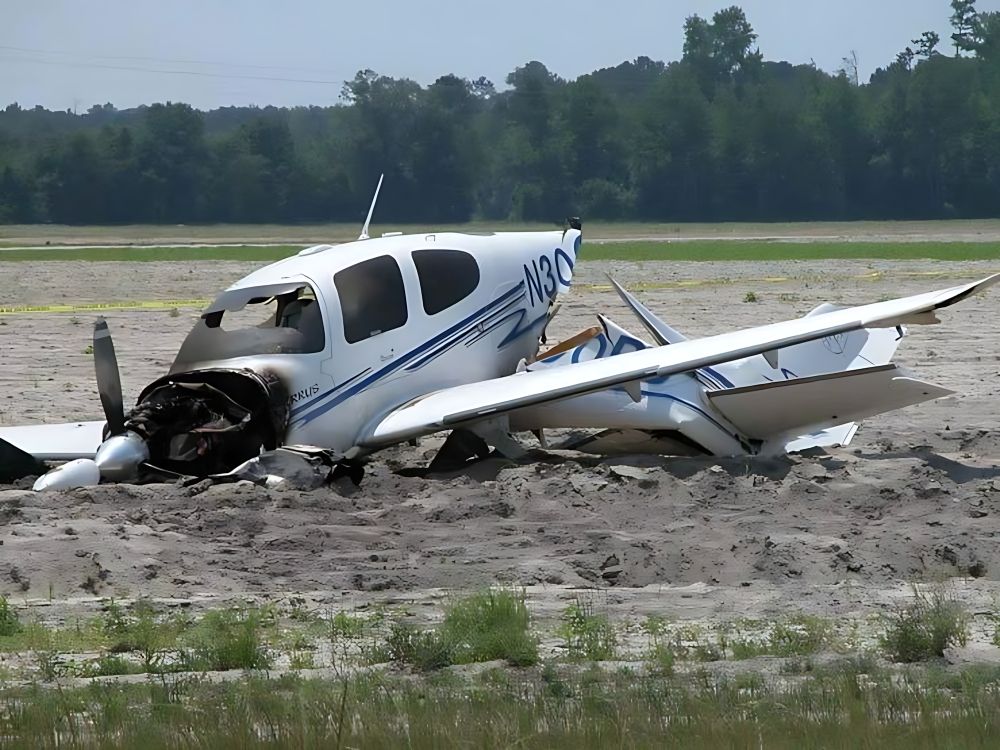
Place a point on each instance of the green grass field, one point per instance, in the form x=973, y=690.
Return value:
x=973, y=230
x=252, y=253
x=701, y=250
x=784, y=251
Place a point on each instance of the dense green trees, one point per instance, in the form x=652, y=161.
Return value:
x=721, y=134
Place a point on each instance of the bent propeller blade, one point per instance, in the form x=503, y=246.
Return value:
x=109, y=384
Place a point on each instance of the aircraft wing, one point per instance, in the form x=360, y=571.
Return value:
x=453, y=407
x=56, y=442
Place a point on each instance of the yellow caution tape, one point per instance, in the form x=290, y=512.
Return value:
x=729, y=281
x=80, y=307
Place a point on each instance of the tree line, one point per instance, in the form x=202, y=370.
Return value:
x=720, y=135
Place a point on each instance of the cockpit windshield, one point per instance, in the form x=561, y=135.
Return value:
x=271, y=319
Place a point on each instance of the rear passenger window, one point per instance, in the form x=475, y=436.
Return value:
x=372, y=298
x=446, y=277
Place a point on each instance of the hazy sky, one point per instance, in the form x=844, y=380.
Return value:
x=65, y=54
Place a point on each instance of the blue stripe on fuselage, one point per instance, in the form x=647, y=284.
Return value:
x=402, y=361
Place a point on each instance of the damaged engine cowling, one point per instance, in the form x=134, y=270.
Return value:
x=206, y=422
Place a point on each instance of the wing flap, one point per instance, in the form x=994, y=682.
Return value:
x=56, y=442
x=475, y=401
x=841, y=435
x=795, y=407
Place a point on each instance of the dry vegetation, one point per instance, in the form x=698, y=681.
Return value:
x=139, y=673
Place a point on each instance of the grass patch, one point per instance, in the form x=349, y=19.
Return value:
x=34, y=635
x=925, y=628
x=10, y=623
x=799, y=635
x=109, y=665
x=344, y=625
x=131, y=254
x=783, y=251
x=487, y=626
x=793, y=636
x=357, y=637
x=491, y=625
x=660, y=654
x=227, y=639
x=143, y=632
x=587, y=634
x=425, y=650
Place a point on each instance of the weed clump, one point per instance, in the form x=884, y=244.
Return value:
x=228, y=639
x=587, y=634
x=357, y=635
x=660, y=655
x=924, y=628
x=110, y=664
x=799, y=635
x=482, y=627
x=794, y=636
x=426, y=651
x=140, y=631
x=10, y=624
x=491, y=625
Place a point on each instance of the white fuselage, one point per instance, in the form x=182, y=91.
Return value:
x=361, y=330
x=448, y=309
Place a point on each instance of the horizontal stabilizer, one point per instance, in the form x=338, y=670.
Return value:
x=56, y=442
x=795, y=407
x=841, y=436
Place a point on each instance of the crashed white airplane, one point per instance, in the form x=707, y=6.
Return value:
x=340, y=351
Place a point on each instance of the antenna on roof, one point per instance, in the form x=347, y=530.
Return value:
x=371, y=210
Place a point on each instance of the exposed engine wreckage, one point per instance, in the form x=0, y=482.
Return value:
x=209, y=421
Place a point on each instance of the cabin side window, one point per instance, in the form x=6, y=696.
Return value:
x=446, y=277
x=372, y=298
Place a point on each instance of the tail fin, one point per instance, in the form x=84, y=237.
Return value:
x=660, y=331
x=846, y=351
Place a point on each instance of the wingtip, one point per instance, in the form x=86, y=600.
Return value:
x=960, y=293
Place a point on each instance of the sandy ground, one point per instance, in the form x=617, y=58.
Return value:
x=915, y=498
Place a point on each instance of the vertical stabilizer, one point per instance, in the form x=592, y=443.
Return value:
x=660, y=331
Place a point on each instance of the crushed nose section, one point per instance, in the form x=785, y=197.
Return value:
x=210, y=421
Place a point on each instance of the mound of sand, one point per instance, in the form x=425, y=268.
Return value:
x=915, y=498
